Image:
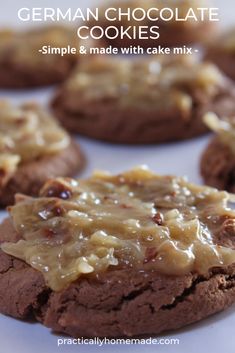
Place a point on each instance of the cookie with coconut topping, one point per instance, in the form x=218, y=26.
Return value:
x=90, y=252
x=142, y=101
x=145, y=23
x=222, y=52
x=218, y=159
x=33, y=147
x=22, y=63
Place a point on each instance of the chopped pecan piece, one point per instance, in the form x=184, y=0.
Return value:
x=228, y=227
x=150, y=254
x=56, y=188
x=158, y=218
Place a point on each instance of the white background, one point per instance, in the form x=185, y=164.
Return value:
x=214, y=334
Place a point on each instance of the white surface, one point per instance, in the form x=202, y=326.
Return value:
x=215, y=334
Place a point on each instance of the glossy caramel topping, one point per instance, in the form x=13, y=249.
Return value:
x=133, y=220
x=161, y=83
x=27, y=133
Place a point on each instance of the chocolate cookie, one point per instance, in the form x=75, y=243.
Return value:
x=222, y=53
x=218, y=159
x=142, y=101
x=166, y=33
x=22, y=65
x=116, y=256
x=33, y=148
